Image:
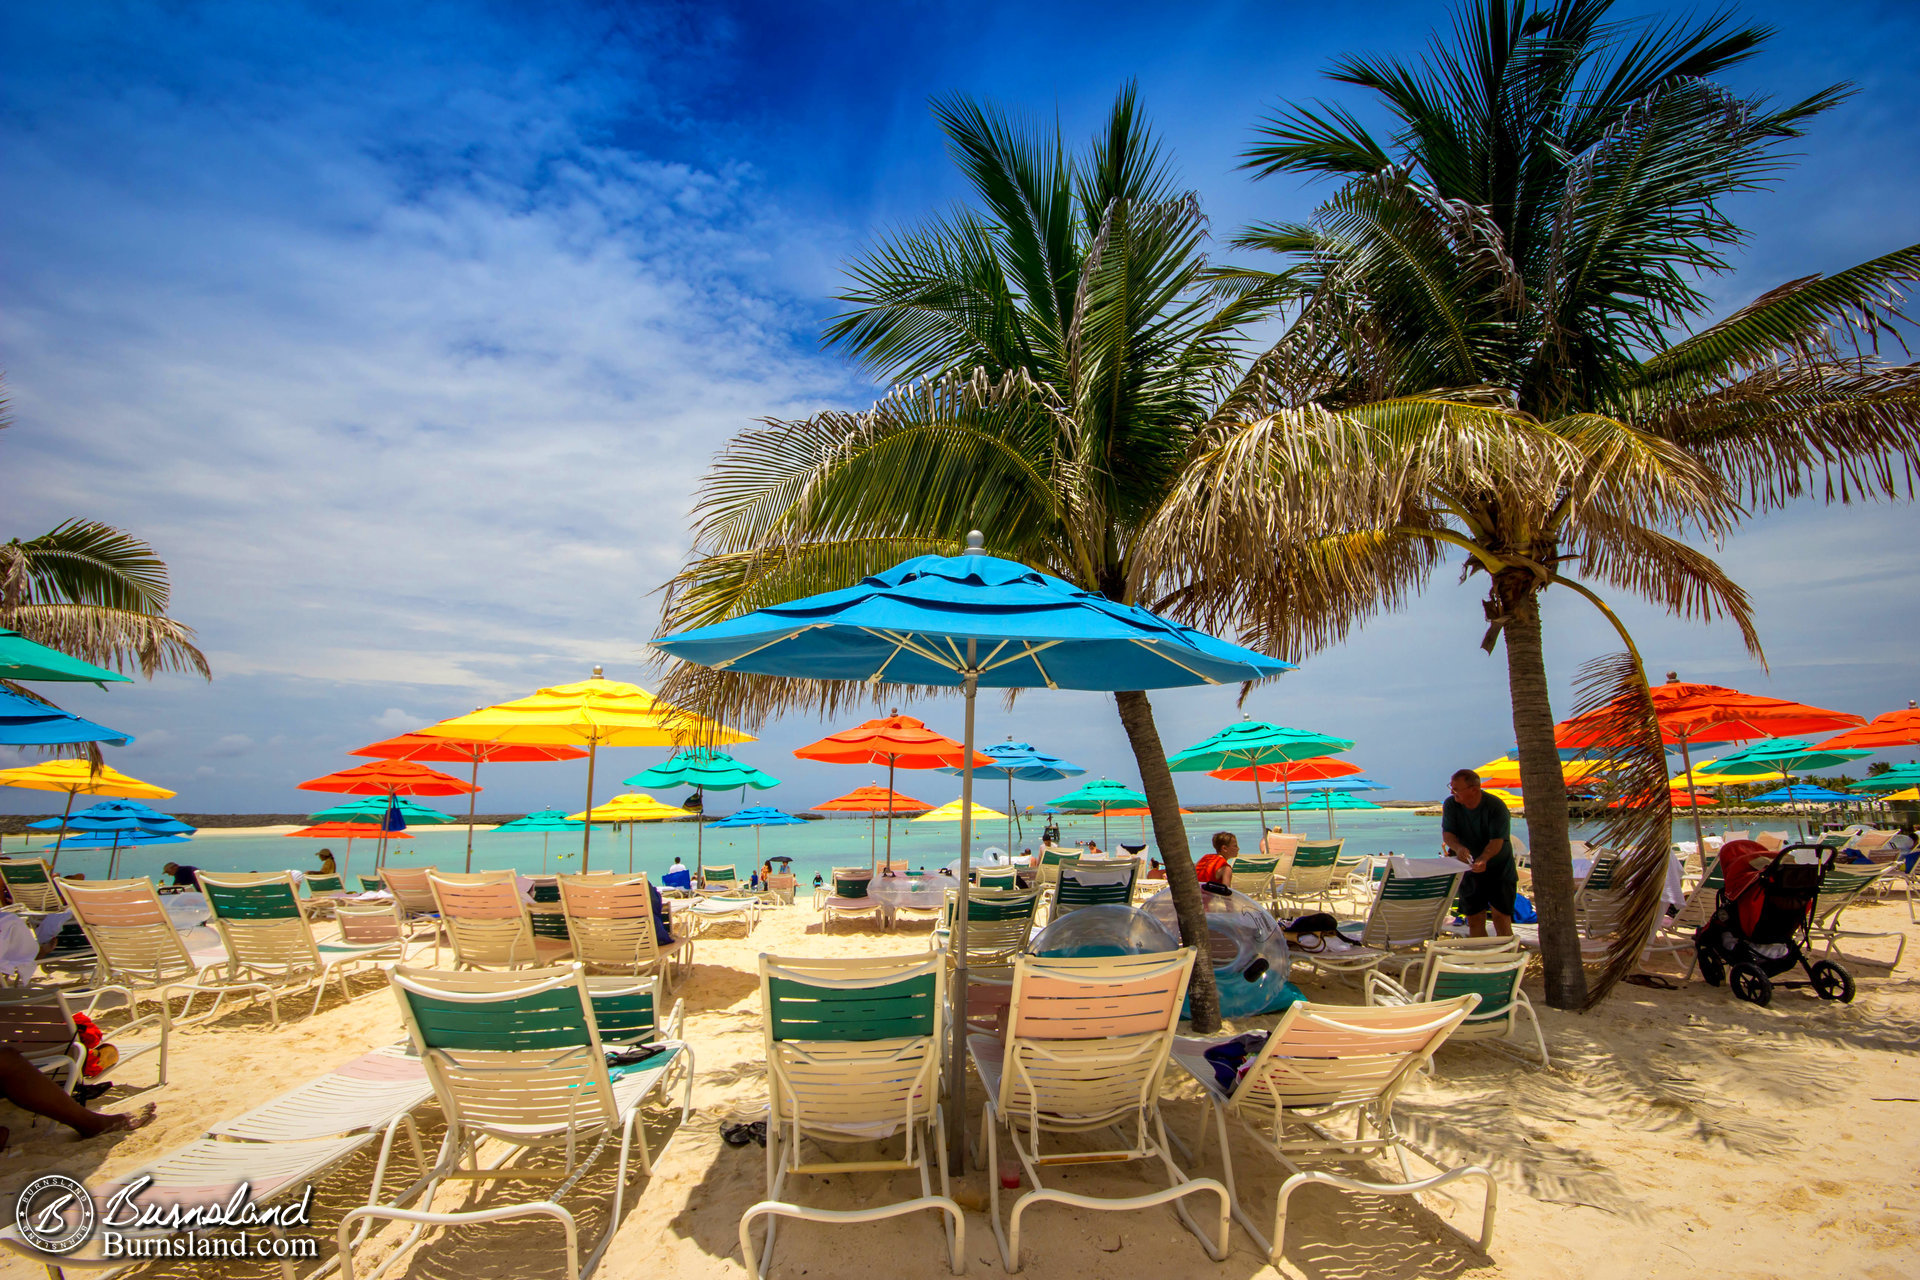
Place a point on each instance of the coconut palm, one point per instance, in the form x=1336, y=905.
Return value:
x=1491, y=358
x=95, y=592
x=1055, y=347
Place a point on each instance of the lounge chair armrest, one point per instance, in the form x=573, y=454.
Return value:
x=674, y=1020
x=1382, y=990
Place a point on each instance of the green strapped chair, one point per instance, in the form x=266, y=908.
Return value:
x=997, y=878
x=999, y=923
x=517, y=1058
x=1407, y=913
x=323, y=893
x=1840, y=887
x=851, y=896
x=1048, y=868
x=719, y=878
x=1490, y=968
x=1253, y=876
x=549, y=919
x=1308, y=883
x=372, y=884
x=853, y=1058
x=268, y=939
x=1082, y=885
x=30, y=881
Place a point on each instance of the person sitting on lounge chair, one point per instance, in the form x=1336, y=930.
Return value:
x=326, y=863
x=183, y=877
x=678, y=876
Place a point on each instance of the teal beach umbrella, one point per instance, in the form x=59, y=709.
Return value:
x=1255, y=742
x=1099, y=797
x=704, y=769
x=546, y=822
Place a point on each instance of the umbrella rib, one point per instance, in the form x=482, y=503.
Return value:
x=1149, y=647
x=739, y=657
x=911, y=645
x=1028, y=649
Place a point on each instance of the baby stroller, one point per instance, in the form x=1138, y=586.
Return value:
x=1759, y=929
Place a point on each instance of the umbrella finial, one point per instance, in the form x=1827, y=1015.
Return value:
x=976, y=544
x=1673, y=677
x=596, y=671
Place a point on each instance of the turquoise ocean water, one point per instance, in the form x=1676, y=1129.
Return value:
x=815, y=848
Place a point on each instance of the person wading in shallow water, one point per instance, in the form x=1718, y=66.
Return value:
x=1477, y=829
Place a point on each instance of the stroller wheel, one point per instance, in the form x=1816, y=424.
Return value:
x=1831, y=981
x=1751, y=985
x=1712, y=967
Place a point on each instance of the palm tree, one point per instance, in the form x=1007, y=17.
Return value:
x=1055, y=347
x=90, y=590
x=1489, y=356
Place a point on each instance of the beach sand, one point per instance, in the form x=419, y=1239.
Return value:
x=1676, y=1133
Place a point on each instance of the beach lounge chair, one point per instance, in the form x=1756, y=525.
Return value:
x=1254, y=875
x=1773, y=841
x=1408, y=912
x=31, y=883
x=136, y=946
x=851, y=897
x=38, y=1023
x=999, y=923
x=1047, y=870
x=268, y=939
x=487, y=921
x=323, y=894
x=1673, y=935
x=372, y=884
x=719, y=879
x=1323, y=1064
x=612, y=924
x=1840, y=888
x=1308, y=881
x=853, y=1057
x=1490, y=969
x=1088, y=884
x=997, y=877
x=517, y=1058
x=780, y=889
x=410, y=890
x=1086, y=1050
x=379, y=923
x=715, y=909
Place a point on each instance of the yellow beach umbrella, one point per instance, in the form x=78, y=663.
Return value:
x=1911, y=793
x=1505, y=772
x=630, y=807
x=951, y=811
x=1511, y=798
x=77, y=777
x=592, y=714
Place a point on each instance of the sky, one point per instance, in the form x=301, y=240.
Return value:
x=404, y=333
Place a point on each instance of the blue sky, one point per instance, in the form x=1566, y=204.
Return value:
x=403, y=332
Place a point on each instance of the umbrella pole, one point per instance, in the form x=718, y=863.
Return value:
x=586, y=828
x=957, y=1051
x=1009, y=815
x=700, y=840
x=630, y=827
x=1260, y=803
x=471, y=795
x=1699, y=840
x=1286, y=800
x=61, y=839
x=1329, y=815
x=890, y=764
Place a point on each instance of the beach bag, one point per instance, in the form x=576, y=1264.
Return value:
x=1305, y=932
x=1523, y=912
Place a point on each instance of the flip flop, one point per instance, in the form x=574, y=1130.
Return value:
x=737, y=1135
x=758, y=1132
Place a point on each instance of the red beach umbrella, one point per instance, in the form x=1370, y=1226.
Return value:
x=348, y=831
x=1894, y=729
x=390, y=778
x=1696, y=713
x=467, y=751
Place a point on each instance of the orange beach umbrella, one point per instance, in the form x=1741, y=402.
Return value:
x=873, y=800
x=897, y=741
x=1893, y=729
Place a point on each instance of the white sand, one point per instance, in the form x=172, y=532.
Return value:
x=1677, y=1133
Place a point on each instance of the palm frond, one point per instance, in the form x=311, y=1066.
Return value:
x=117, y=638
x=87, y=562
x=1613, y=689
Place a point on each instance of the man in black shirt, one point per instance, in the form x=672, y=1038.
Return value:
x=183, y=876
x=1477, y=829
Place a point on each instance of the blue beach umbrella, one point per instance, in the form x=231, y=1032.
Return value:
x=116, y=840
x=757, y=817
x=26, y=723
x=1025, y=762
x=969, y=621
x=1801, y=793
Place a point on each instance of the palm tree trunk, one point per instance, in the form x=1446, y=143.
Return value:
x=1546, y=804
x=1170, y=833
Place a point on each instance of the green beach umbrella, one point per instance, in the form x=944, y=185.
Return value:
x=546, y=822
x=22, y=659
x=1333, y=800
x=1255, y=742
x=704, y=769
x=1099, y=797
x=374, y=808
x=1897, y=778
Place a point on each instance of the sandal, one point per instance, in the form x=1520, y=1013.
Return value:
x=737, y=1135
x=85, y=1093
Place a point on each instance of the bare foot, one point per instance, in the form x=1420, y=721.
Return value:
x=128, y=1121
